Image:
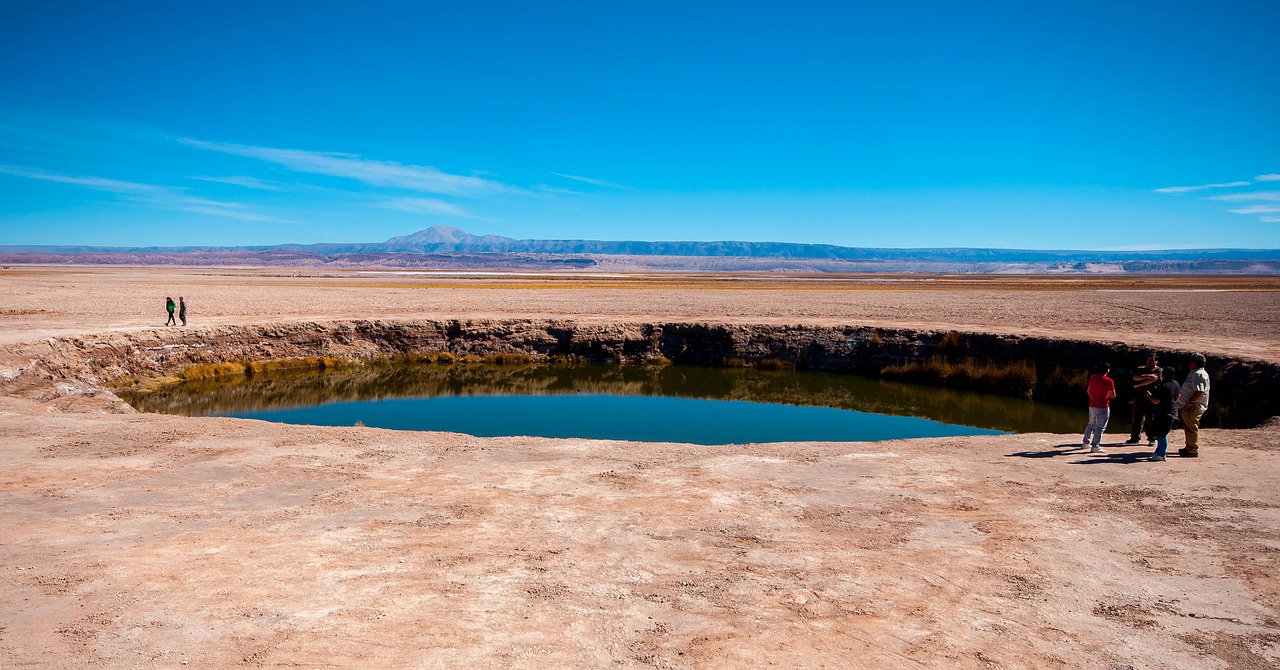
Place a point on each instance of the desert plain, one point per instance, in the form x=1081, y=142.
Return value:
x=134, y=540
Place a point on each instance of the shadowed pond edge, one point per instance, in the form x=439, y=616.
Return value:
x=1245, y=392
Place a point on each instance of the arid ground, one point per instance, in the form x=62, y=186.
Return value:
x=132, y=540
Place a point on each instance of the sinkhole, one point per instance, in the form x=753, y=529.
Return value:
x=688, y=404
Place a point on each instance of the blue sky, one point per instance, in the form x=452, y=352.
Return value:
x=1065, y=125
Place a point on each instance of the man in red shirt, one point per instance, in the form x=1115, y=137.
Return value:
x=1101, y=390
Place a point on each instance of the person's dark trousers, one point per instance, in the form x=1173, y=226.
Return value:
x=1141, y=420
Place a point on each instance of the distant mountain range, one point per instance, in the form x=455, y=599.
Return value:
x=452, y=248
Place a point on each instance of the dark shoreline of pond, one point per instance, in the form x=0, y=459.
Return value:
x=1245, y=392
x=406, y=378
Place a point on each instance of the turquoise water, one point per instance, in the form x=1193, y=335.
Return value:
x=673, y=404
x=634, y=418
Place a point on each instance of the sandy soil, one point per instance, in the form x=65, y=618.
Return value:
x=132, y=540
x=1224, y=314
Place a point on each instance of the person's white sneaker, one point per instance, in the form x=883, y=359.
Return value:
x=1097, y=450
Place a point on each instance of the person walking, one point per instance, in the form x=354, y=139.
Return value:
x=182, y=310
x=1101, y=390
x=168, y=306
x=1193, y=400
x=1144, y=379
x=1163, y=397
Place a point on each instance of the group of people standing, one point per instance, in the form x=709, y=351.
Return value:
x=1159, y=404
x=182, y=310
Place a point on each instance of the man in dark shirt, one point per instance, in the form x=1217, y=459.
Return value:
x=1163, y=397
x=1144, y=378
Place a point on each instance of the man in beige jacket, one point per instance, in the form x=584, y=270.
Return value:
x=1192, y=403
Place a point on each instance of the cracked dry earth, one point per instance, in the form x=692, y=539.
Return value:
x=150, y=541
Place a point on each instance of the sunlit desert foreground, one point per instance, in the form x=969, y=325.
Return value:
x=133, y=540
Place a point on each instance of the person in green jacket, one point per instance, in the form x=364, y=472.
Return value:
x=168, y=305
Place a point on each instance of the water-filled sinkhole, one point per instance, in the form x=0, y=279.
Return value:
x=698, y=405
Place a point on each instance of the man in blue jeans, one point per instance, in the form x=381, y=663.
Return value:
x=1163, y=397
x=1101, y=390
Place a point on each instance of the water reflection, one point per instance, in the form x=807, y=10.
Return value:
x=240, y=395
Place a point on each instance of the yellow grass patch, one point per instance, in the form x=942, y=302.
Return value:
x=211, y=370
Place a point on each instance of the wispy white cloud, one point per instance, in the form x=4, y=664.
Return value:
x=1270, y=219
x=1188, y=189
x=1248, y=196
x=1256, y=209
x=351, y=166
x=425, y=206
x=152, y=195
x=231, y=213
x=186, y=199
x=592, y=181
x=1264, y=196
x=95, y=183
x=546, y=188
x=247, y=182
